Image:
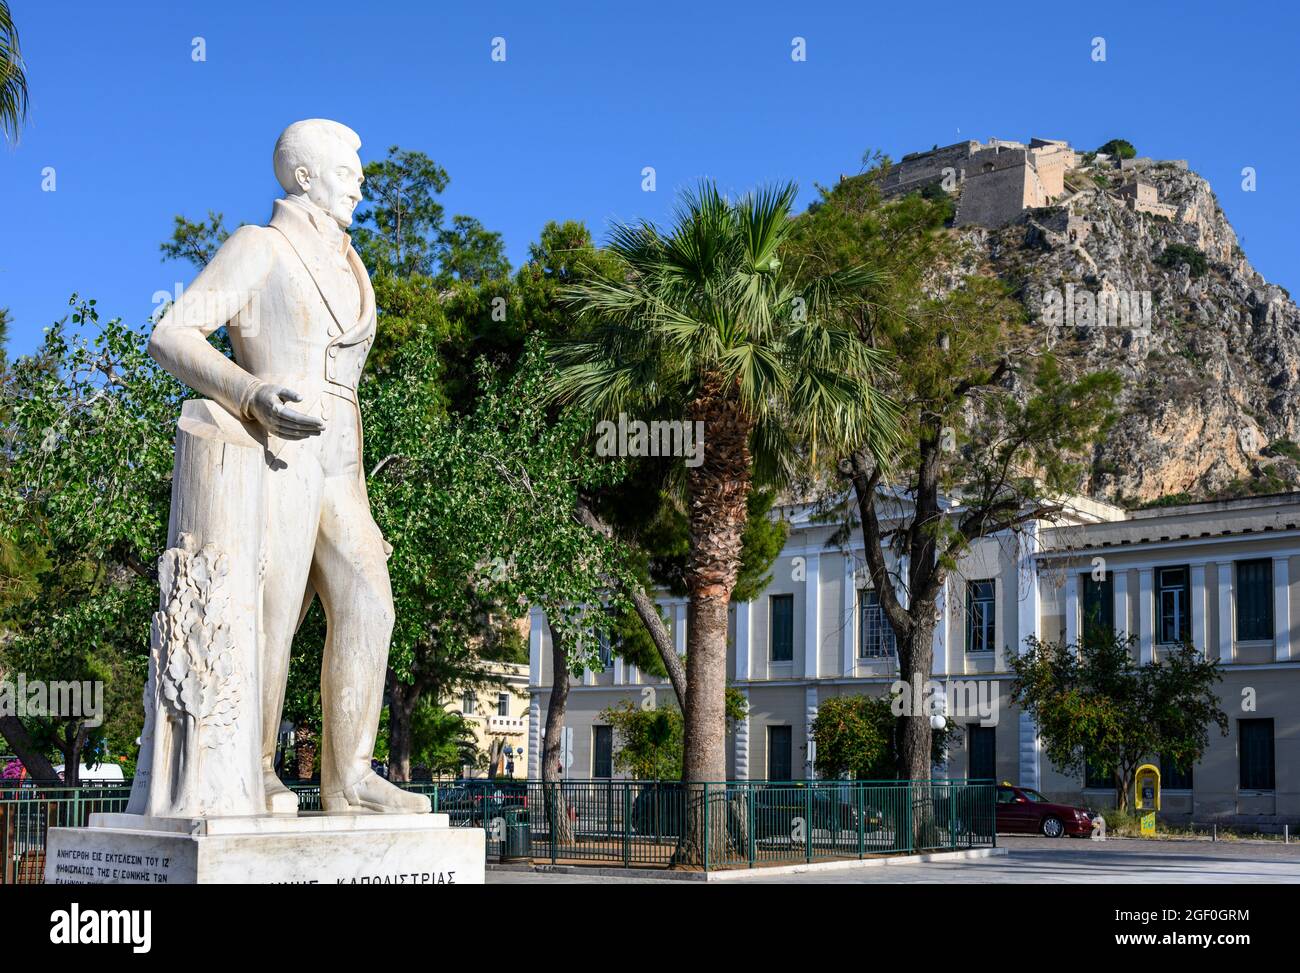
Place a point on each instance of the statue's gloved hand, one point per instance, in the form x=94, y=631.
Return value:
x=267, y=406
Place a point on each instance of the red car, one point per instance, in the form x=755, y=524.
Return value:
x=1025, y=811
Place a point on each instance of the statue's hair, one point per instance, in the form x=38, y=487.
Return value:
x=300, y=143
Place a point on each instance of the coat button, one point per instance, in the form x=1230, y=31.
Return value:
x=334, y=351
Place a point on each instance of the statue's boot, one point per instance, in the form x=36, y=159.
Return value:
x=279, y=799
x=373, y=793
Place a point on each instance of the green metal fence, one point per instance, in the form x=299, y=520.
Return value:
x=27, y=812
x=651, y=824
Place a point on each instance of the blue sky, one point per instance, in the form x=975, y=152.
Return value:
x=137, y=131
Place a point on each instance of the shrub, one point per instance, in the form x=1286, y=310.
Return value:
x=1284, y=447
x=1180, y=253
x=1119, y=148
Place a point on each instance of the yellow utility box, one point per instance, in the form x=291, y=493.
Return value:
x=1146, y=796
x=1146, y=788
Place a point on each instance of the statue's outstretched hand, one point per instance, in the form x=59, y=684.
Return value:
x=267, y=406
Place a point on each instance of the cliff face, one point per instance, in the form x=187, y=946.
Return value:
x=1209, y=355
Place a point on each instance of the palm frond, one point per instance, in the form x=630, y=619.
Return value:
x=13, y=78
x=706, y=305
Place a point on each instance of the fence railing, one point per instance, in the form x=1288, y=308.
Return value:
x=649, y=824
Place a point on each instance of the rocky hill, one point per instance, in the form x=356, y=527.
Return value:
x=1164, y=295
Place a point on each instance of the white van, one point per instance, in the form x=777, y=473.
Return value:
x=105, y=772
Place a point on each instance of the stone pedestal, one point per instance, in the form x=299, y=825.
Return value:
x=326, y=849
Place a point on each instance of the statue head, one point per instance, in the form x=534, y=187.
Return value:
x=317, y=158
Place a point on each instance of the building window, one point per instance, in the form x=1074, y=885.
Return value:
x=467, y=703
x=1173, y=777
x=606, y=651
x=983, y=754
x=781, y=619
x=780, y=740
x=1174, y=599
x=980, y=633
x=1096, y=778
x=602, y=752
x=503, y=704
x=1256, y=754
x=875, y=636
x=1254, y=600
x=1098, y=606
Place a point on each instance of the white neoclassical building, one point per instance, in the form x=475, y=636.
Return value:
x=1220, y=573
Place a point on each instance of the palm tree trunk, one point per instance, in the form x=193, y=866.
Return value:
x=305, y=752
x=717, y=492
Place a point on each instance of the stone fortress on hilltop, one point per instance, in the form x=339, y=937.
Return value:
x=995, y=182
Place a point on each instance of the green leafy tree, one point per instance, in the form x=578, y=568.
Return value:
x=196, y=242
x=469, y=253
x=442, y=742
x=856, y=737
x=399, y=222
x=649, y=740
x=86, y=483
x=13, y=78
x=493, y=492
x=987, y=418
x=1119, y=149
x=1094, y=705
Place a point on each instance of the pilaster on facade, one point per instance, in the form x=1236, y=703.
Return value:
x=744, y=625
x=742, y=741
x=812, y=615
x=1197, y=590
x=534, y=755
x=1029, y=746
x=1227, y=625
x=848, y=606
x=1146, y=617
x=810, y=744
x=1282, y=609
x=536, y=619
x=1119, y=581
x=939, y=664
x=1030, y=752
x=1072, y=608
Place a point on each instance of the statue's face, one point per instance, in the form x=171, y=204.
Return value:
x=336, y=188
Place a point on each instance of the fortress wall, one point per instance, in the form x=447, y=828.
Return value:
x=1051, y=164
x=917, y=171
x=994, y=198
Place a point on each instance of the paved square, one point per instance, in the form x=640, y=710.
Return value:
x=1035, y=860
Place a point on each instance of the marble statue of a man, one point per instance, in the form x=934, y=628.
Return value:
x=300, y=312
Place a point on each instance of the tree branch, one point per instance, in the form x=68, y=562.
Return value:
x=646, y=609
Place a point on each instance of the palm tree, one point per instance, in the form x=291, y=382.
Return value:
x=13, y=80
x=702, y=323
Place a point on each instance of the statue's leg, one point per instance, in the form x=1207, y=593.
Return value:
x=293, y=514
x=350, y=573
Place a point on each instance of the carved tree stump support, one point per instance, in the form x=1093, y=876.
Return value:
x=201, y=746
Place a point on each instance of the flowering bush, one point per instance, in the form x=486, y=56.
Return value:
x=13, y=770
